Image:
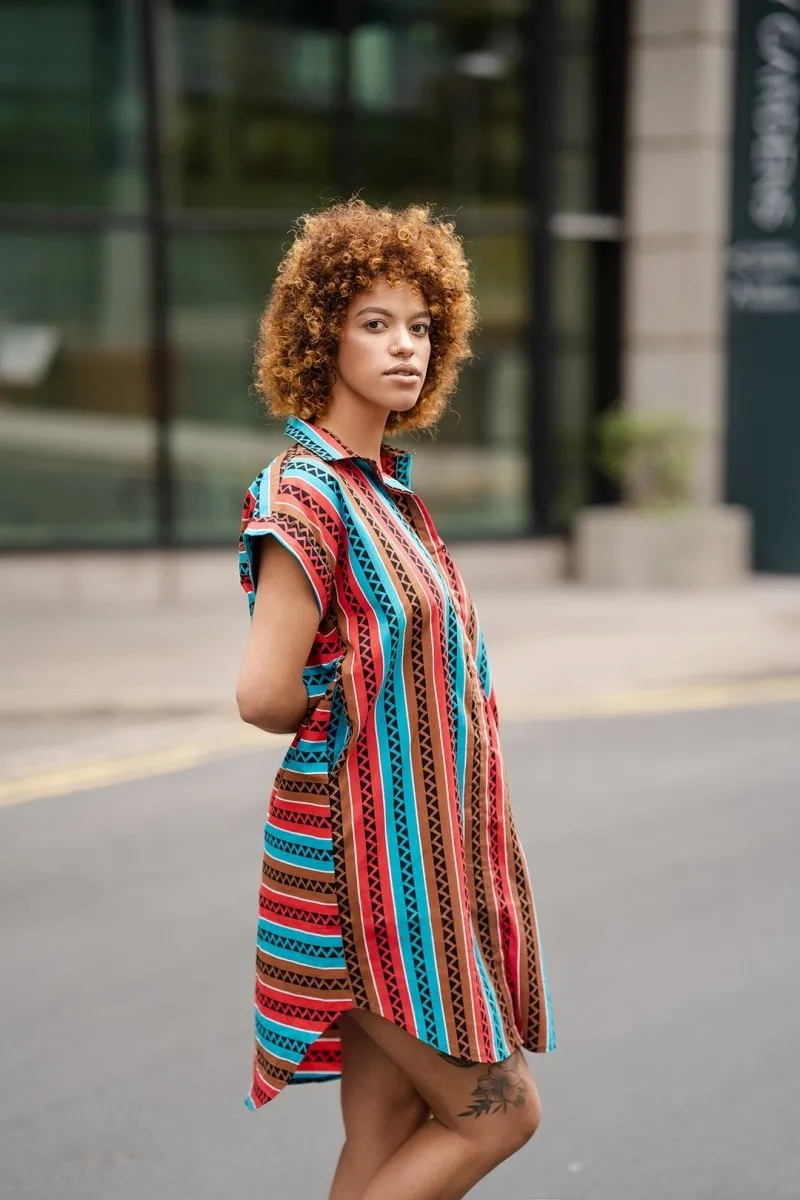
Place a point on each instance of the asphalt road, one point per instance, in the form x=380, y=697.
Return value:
x=664, y=856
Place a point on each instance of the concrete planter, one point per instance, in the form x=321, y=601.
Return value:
x=680, y=548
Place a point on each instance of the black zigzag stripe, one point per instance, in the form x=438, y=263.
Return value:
x=300, y=879
x=312, y=853
x=279, y=972
x=270, y=939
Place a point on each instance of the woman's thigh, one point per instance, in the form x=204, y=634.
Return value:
x=379, y=1102
x=495, y=1105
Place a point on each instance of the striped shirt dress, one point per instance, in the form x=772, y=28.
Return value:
x=393, y=878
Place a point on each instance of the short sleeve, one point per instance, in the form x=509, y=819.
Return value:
x=294, y=501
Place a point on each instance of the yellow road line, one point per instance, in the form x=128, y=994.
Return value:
x=101, y=772
x=181, y=756
x=687, y=698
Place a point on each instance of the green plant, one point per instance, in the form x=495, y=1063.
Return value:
x=649, y=455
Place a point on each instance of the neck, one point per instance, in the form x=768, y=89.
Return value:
x=360, y=426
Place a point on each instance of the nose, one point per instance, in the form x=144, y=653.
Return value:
x=403, y=343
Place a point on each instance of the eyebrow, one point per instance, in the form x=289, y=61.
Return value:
x=384, y=312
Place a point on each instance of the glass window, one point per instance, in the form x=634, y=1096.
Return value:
x=76, y=433
x=437, y=95
x=251, y=105
x=574, y=375
x=221, y=438
x=261, y=124
x=438, y=100
x=70, y=103
x=475, y=473
x=577, y=99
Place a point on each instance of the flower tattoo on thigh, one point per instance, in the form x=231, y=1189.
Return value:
x=497, y=1088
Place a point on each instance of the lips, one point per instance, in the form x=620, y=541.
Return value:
x=412, y=372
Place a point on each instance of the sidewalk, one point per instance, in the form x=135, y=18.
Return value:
x=161, y=636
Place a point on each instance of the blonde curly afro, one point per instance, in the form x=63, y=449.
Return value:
x=337, y=254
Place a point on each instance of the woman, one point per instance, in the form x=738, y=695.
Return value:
x=397, y=943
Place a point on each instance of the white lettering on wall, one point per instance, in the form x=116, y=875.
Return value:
x=776, y=121
x=764, y=276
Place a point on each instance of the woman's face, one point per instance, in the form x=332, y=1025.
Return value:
x=384, y=347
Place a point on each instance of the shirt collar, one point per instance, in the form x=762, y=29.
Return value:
x=396, y=464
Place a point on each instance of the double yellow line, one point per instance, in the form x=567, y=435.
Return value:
x=182, y=756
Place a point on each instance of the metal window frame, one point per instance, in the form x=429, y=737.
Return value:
x=151, y=25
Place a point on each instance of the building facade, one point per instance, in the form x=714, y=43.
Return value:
x=155, y=154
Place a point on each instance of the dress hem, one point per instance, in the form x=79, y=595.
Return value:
x=298, y=1079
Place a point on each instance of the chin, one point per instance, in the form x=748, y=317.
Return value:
x=406, y=406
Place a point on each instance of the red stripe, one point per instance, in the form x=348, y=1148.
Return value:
x=289, y=801
x=314, y=735
x=302, y=924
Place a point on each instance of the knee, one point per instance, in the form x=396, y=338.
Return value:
x=529, y=1119
x=514, y=1129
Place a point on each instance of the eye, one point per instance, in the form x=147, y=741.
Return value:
x=373, y=324
x=421, y=328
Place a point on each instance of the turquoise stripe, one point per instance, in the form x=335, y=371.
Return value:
x=501, y=1046
x=548, y=1006
x=301, y=767
x=312, y=937
x=317, y=679
x=282, y=946
x=288, y=1043
x=459, y=686
x=323, y=863
x=298, y=469
x=287, y=544
x=309, y=1036
x=482, y=659
x=301, y=840
x=307, y=436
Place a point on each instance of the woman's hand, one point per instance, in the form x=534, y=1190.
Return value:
x=270, y=692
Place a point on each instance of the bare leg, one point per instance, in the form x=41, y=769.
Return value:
x=482, y=1114
x=380, y=1109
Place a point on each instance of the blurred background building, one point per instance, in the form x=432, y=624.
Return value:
x=602, y=162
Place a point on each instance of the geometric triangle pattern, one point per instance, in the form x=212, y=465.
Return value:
x=393, y=878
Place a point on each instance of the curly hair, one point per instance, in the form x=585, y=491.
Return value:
x=336, y=254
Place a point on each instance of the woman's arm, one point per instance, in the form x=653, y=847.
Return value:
x=270, y=692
